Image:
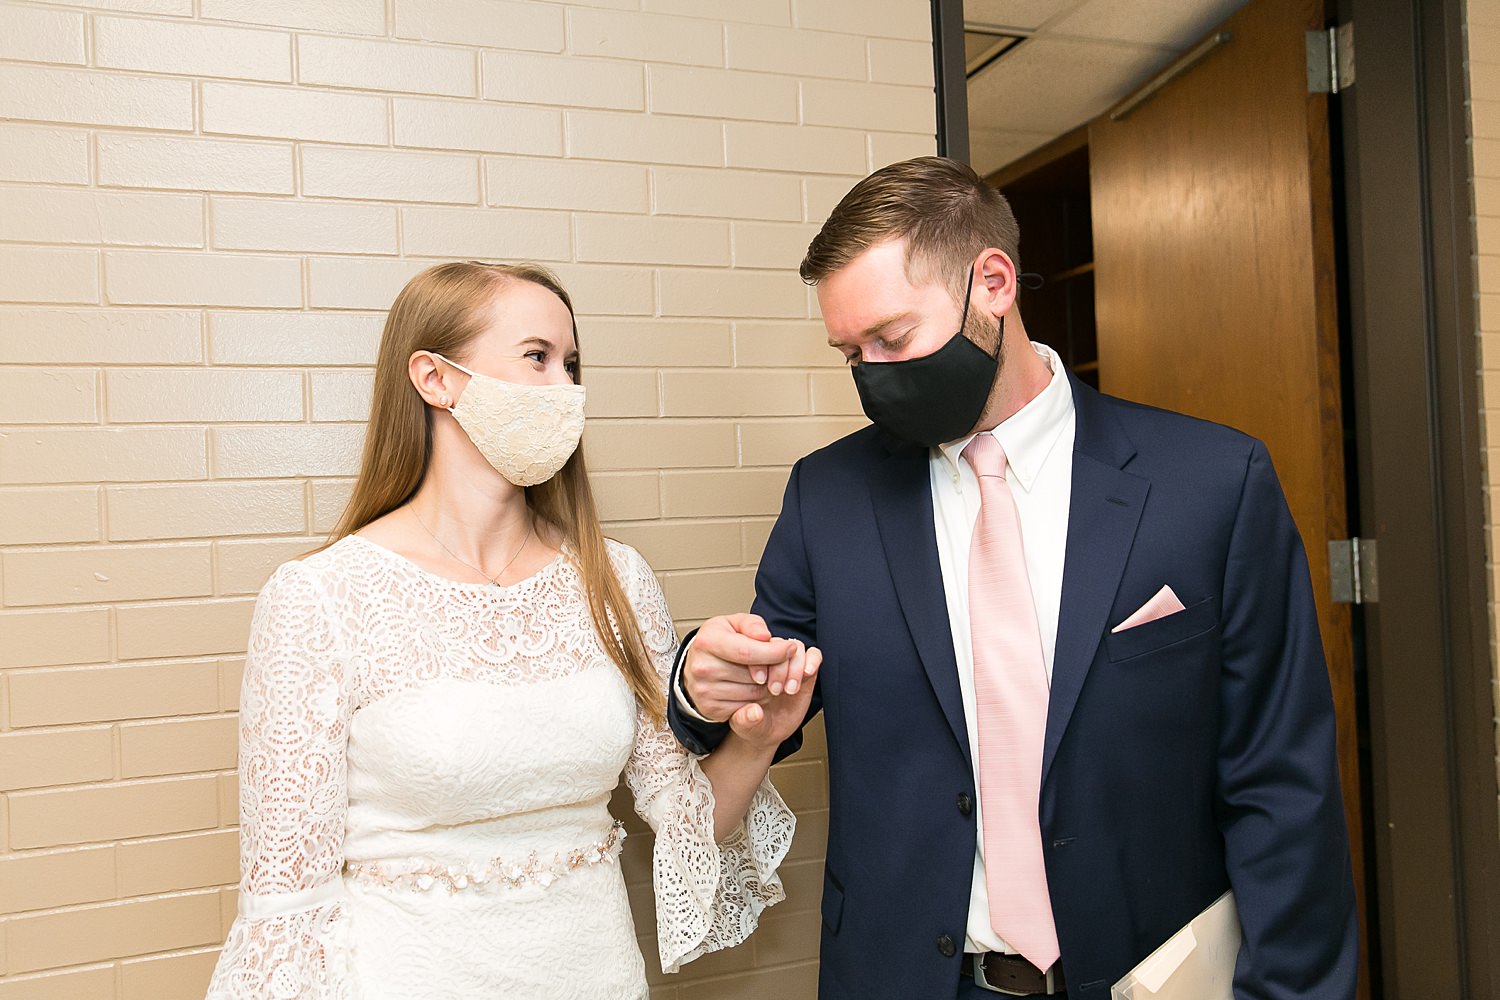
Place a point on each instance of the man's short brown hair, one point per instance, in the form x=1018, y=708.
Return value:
x=944, y=210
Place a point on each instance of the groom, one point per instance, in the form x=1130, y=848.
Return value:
x=1072, y=680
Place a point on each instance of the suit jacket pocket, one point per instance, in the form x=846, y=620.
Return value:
x=1185, y=624
x=833, y=903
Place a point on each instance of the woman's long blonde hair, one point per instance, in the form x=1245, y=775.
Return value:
x=441, y=310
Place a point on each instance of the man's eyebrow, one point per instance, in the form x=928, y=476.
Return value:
x=878, y=327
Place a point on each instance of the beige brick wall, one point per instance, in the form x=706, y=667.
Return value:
x=204, y=207
x=1483, y=25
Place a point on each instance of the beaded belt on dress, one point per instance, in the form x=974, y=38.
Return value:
x=423, y=873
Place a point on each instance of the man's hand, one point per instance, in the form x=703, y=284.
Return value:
x=735, y=663
x=766, y=724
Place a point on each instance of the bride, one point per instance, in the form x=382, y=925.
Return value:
x=437, y=705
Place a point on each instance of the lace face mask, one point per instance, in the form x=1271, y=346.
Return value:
x=527, y=432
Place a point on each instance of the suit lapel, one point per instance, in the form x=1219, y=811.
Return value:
x=1102, y=519
x=902, y=496
x=1103, y=514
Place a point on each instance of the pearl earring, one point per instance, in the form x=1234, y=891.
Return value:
x=445, y=400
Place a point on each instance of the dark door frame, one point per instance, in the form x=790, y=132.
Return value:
x=1415, y=387
x=1414, y=397
x=952, y=83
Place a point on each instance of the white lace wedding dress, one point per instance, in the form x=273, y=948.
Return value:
x=425, y=770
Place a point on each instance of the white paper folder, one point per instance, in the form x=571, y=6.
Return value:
x=1196, y=963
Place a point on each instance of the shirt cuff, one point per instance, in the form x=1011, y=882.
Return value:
x=683, y=704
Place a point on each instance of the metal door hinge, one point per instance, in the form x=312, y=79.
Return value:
x=1330, y=59
x=1354, y=571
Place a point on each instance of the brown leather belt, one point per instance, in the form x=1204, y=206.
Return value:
x=1012, y=975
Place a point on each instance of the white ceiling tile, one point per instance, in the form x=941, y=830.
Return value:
x=1047, y=85
x=1172, y=23
x=991, y=149
x=1083, y=57
x=1028, y=15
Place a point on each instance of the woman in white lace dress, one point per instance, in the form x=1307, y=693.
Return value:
x=437, y=705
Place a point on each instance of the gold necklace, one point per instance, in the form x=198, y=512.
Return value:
x=530, y=527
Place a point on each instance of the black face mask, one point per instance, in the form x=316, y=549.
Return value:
x=935, y=398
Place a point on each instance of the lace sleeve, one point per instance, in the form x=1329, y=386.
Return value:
x=708, y=895
x=289, y=938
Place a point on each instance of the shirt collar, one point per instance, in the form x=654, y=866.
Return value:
x=1028, y=434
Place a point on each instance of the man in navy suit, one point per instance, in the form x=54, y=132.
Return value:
x=1180, y=741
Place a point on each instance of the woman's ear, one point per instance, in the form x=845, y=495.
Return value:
x=435, y=382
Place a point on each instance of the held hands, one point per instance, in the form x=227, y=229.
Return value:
x=736, y=672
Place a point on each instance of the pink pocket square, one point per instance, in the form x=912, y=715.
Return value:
x=1164, y=603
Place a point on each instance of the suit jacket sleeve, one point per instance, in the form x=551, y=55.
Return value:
x=784, y=598
x=1279, y=805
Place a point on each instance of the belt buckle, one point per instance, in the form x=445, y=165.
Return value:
x=1049, y=980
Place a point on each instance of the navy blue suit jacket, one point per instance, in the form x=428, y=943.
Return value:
x=1182, y=757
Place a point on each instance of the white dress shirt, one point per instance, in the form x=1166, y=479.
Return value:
x=1038, y=443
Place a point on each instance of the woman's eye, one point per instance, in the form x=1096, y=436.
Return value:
x=540, y=357
x=571, y=367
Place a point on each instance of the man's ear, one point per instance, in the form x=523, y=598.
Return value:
x=995, y=279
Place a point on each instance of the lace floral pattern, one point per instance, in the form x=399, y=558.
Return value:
x=301, y=954
x=527, y=432
x=389, y=714
x=709, y=895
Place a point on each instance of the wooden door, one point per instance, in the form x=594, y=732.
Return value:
x=1215, y=284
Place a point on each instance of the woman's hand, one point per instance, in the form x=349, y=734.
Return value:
x=756, y=729
x=767, y=722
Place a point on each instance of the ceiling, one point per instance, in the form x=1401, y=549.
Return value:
x=1079, y=58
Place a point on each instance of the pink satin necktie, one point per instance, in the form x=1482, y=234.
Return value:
x=1010, y=689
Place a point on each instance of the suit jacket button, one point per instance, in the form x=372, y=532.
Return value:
x=945, y=945
x=965, y=804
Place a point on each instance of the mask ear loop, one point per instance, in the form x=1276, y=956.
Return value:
x=461, y=368
x=455, y=364
x=963, y=322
